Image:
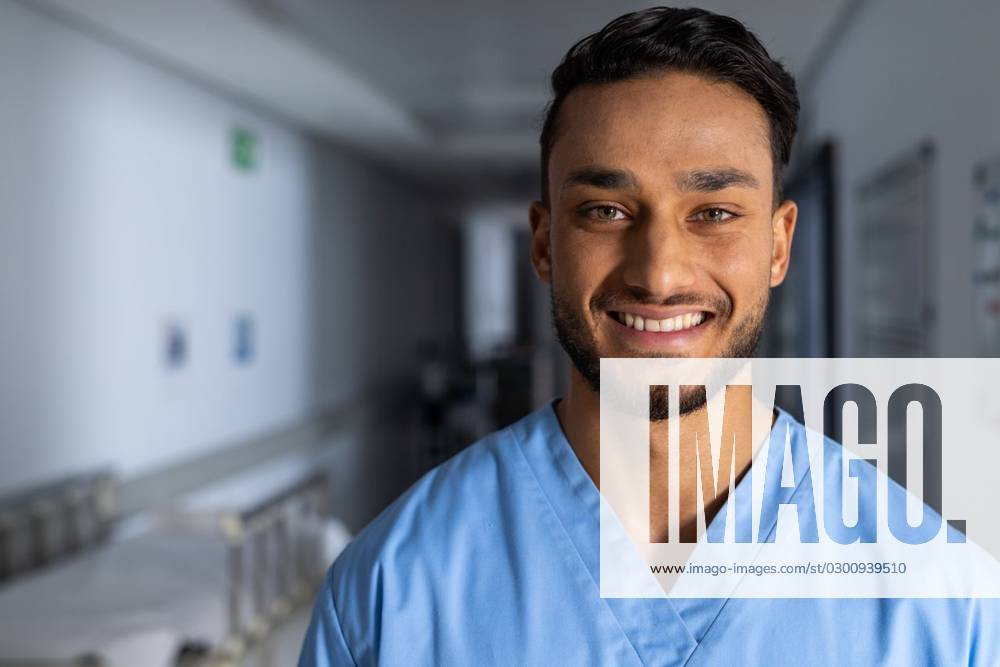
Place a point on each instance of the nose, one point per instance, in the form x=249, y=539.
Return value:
x=659, y=259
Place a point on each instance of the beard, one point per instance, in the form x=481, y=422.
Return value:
x=581, y=346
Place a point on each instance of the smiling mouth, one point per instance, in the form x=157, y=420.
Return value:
x=682, y=322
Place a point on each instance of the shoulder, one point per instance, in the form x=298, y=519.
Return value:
x=404, y=567
x=454, y=495
x=461, y=494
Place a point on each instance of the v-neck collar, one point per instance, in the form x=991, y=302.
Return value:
x=660, y=630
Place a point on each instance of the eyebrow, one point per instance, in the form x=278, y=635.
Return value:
x=714, y=179
x=699, y=180
x=602, y=177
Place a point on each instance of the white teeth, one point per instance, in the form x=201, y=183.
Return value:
x=678, y=323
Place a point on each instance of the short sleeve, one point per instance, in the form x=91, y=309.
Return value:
x=324, y=644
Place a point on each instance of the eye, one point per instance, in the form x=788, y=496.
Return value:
x=605, y=213
x=715, y=215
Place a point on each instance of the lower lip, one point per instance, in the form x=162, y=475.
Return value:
x=663, y=340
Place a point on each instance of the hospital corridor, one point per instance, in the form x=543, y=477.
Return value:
x=266, y=263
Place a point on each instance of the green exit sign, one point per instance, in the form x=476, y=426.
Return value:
x=244, y=149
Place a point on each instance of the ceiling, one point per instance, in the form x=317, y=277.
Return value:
x=455, y=86
x=482, y=67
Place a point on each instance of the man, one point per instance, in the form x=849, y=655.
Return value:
x=661, y=229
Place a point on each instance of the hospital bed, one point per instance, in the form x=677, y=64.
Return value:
x=195, y=583
x=45, y=523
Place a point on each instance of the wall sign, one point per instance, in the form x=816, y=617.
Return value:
x=244, y=149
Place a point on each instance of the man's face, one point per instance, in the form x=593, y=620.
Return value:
x=660, y=238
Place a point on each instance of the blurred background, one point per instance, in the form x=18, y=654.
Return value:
x=265, y=262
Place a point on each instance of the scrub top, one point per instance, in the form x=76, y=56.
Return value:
x=492, y=559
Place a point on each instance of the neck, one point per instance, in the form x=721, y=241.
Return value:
x=579, y=416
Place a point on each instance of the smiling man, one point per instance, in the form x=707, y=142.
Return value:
x=661, y=228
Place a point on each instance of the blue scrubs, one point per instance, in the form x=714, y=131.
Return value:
x=492, y=559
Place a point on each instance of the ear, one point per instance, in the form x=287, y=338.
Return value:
x=782, y=230
x=541, y=245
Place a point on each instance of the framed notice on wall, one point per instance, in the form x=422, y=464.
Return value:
x=986, y=258
x=895, y=280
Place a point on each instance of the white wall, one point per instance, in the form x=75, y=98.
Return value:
x=120, y=209
x=905, y=71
